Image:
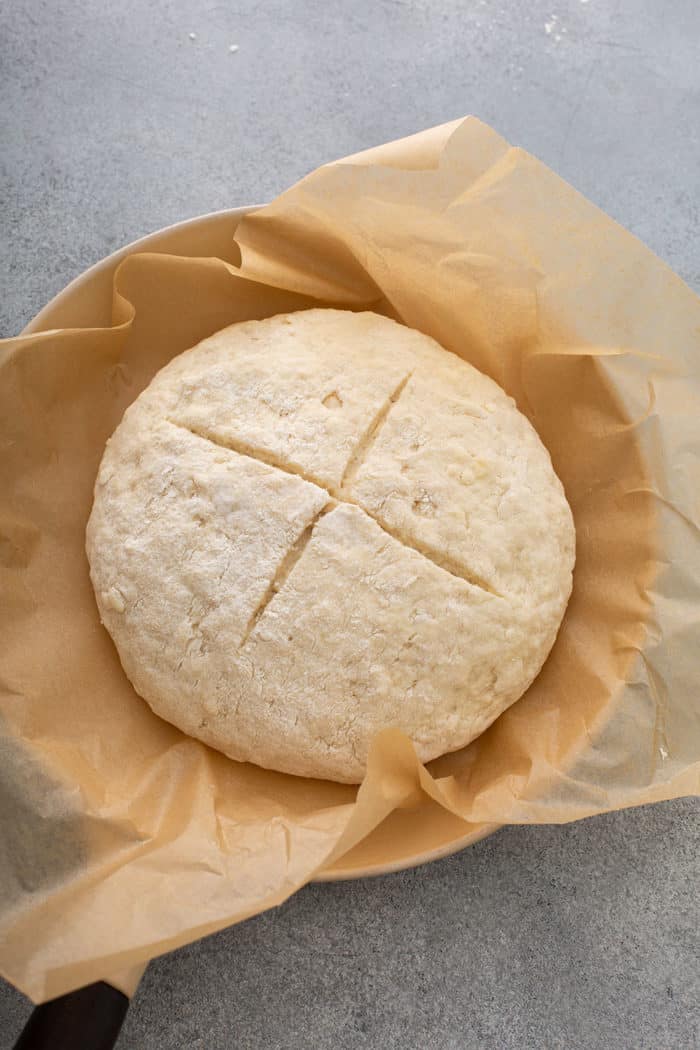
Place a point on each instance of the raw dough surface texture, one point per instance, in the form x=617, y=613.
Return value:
x=315, y=526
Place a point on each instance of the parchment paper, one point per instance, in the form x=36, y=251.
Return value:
x=121, y=838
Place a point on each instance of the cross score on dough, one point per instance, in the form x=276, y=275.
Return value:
x=341, y=495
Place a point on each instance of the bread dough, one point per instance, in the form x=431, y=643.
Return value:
x=315, y=526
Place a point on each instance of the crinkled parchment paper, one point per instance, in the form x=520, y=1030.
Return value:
x=121, y=838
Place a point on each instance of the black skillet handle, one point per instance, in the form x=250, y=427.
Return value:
x=87, y=1019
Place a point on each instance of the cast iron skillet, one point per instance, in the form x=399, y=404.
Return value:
x=87, y=1019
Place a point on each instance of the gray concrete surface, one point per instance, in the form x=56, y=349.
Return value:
x=113, y=123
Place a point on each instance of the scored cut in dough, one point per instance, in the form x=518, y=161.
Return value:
x=319, y=525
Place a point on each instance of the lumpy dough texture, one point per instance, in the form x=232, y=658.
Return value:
x=316, y=526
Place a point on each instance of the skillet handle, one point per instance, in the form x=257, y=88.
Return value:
x=86, y=1019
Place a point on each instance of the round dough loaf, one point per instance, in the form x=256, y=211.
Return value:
x=315, y=526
